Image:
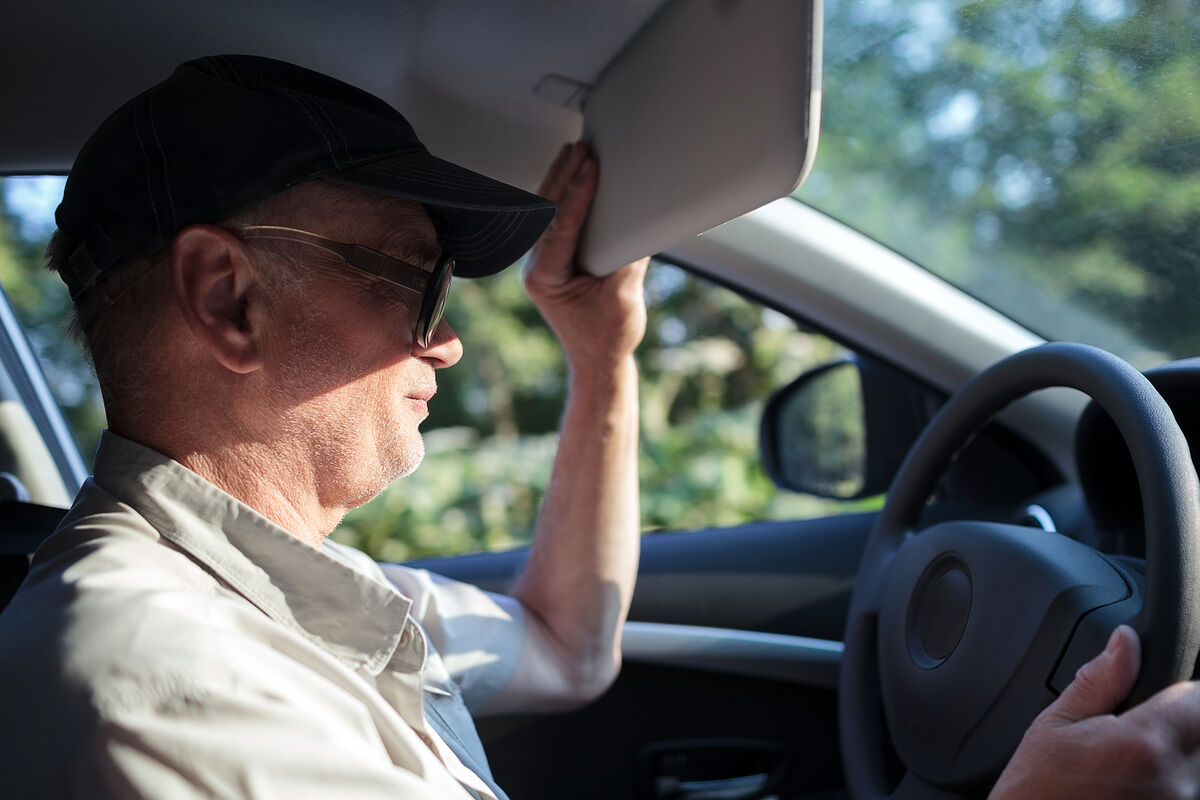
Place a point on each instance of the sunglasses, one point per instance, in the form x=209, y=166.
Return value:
x=432, y=286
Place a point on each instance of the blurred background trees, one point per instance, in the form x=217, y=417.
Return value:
x=1042, y=154
x=708, y=363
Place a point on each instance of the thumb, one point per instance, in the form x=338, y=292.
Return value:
x=1101, y=684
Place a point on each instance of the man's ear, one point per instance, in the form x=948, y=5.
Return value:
x=211, y=279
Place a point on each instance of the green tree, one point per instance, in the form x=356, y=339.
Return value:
x=953, y=130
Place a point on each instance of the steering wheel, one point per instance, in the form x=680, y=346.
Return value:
x=959, y=635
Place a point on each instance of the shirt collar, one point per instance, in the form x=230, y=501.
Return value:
x=353, y=615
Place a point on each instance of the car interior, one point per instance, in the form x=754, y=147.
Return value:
x=1000, y=490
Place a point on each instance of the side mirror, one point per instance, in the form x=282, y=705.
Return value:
x=843, y=429
x=814, y=433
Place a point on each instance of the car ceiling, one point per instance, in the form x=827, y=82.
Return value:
x=466, y=73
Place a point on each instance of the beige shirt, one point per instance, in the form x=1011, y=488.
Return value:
x=171, y=642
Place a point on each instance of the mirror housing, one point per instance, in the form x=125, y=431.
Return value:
x=842, y=430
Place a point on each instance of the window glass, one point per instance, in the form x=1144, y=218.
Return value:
x=710, y=361
x=40, y=300
x=708, y=364
x=1042, y=154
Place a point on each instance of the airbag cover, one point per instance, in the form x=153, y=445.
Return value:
x=974, y=619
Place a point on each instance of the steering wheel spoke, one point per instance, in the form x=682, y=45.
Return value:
x=914, y=787
x=870, y=582
x=1091, y=635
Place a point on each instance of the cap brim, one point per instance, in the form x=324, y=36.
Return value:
x=485, y=224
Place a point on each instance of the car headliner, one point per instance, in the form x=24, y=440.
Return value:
x=466, y=73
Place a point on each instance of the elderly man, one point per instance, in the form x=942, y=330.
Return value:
x=259, y=257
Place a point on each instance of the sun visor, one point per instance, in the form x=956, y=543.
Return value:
x=712, y=111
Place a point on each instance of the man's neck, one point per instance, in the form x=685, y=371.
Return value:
x=280, y=488
x=270, y=477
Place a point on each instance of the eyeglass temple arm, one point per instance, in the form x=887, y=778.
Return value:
x=364, y=258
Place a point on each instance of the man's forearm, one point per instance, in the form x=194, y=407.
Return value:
x=579, y=579
x=578, y=582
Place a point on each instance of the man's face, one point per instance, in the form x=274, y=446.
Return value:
x=349, y=380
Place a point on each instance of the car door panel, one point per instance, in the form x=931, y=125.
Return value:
x=788, y=577
x=609, y=748
x=730, y=663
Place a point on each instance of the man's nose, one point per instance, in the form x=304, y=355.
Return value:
x=445, y=348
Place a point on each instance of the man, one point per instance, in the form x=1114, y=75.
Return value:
x=258, y=258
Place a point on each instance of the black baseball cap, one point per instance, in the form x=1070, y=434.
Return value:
x=225, y=132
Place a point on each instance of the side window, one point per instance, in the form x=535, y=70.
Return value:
x=41, y=304
x=709, y=362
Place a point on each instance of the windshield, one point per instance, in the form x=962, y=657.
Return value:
x=1043, y=155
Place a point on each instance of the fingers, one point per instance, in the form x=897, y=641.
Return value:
x=1102, y=683
x=577, y=199
x=571, y=183
x=564, y=167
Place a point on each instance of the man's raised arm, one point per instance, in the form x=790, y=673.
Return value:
x=579, y=579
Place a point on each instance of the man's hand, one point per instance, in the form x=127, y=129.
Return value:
x=599, y=321
x=1077, y=747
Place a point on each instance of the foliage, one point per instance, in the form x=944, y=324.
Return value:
x=707, y=363
x=1044, y=154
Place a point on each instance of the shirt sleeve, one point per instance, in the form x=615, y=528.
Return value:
x=479, y=635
